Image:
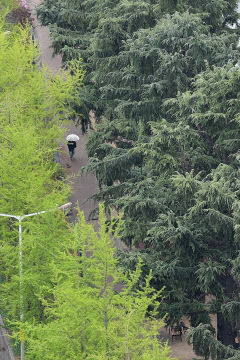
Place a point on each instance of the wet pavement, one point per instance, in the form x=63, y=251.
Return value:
x=6, y=352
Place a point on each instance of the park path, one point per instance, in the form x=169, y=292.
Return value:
x=83, y=185
x=6, y=352
x=42, y=35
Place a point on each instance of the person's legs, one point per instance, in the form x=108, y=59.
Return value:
x=82, y=126
x=86, y=125
x=71, y=154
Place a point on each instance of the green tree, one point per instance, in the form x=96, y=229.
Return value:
x=33, y=105
x=98, y=32
x=193, y=137
x=153, y=65
x=216, y=14
x=96, y=310
x=192, y=194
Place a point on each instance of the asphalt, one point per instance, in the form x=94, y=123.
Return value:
x=6, y=352
x=42, y=36
x=83, y=185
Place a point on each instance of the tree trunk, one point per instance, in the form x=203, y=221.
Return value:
x=226, y=334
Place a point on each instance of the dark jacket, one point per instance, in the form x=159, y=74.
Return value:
x=71, y=145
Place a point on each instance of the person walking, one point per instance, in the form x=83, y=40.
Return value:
x=84, y=125
x=71, y=148
x=72, y=139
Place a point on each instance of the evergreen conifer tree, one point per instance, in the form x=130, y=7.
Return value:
x=192, y=196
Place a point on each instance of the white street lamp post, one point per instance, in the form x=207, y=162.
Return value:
x=20, y=218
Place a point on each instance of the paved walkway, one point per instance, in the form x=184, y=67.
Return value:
x=42, y=36
x=6, y=352
x=83, y=186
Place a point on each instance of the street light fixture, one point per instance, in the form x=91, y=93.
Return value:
x=20, y=218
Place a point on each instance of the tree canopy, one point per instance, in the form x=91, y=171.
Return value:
x=99, y=32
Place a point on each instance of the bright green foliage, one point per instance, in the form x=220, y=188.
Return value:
x=33, y=105
x=33, y=102
x=7, y=4
x=95, y=311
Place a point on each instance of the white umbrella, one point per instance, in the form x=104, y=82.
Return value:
x=72, y=137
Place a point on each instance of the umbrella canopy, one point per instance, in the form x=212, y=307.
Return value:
x=72, y=137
